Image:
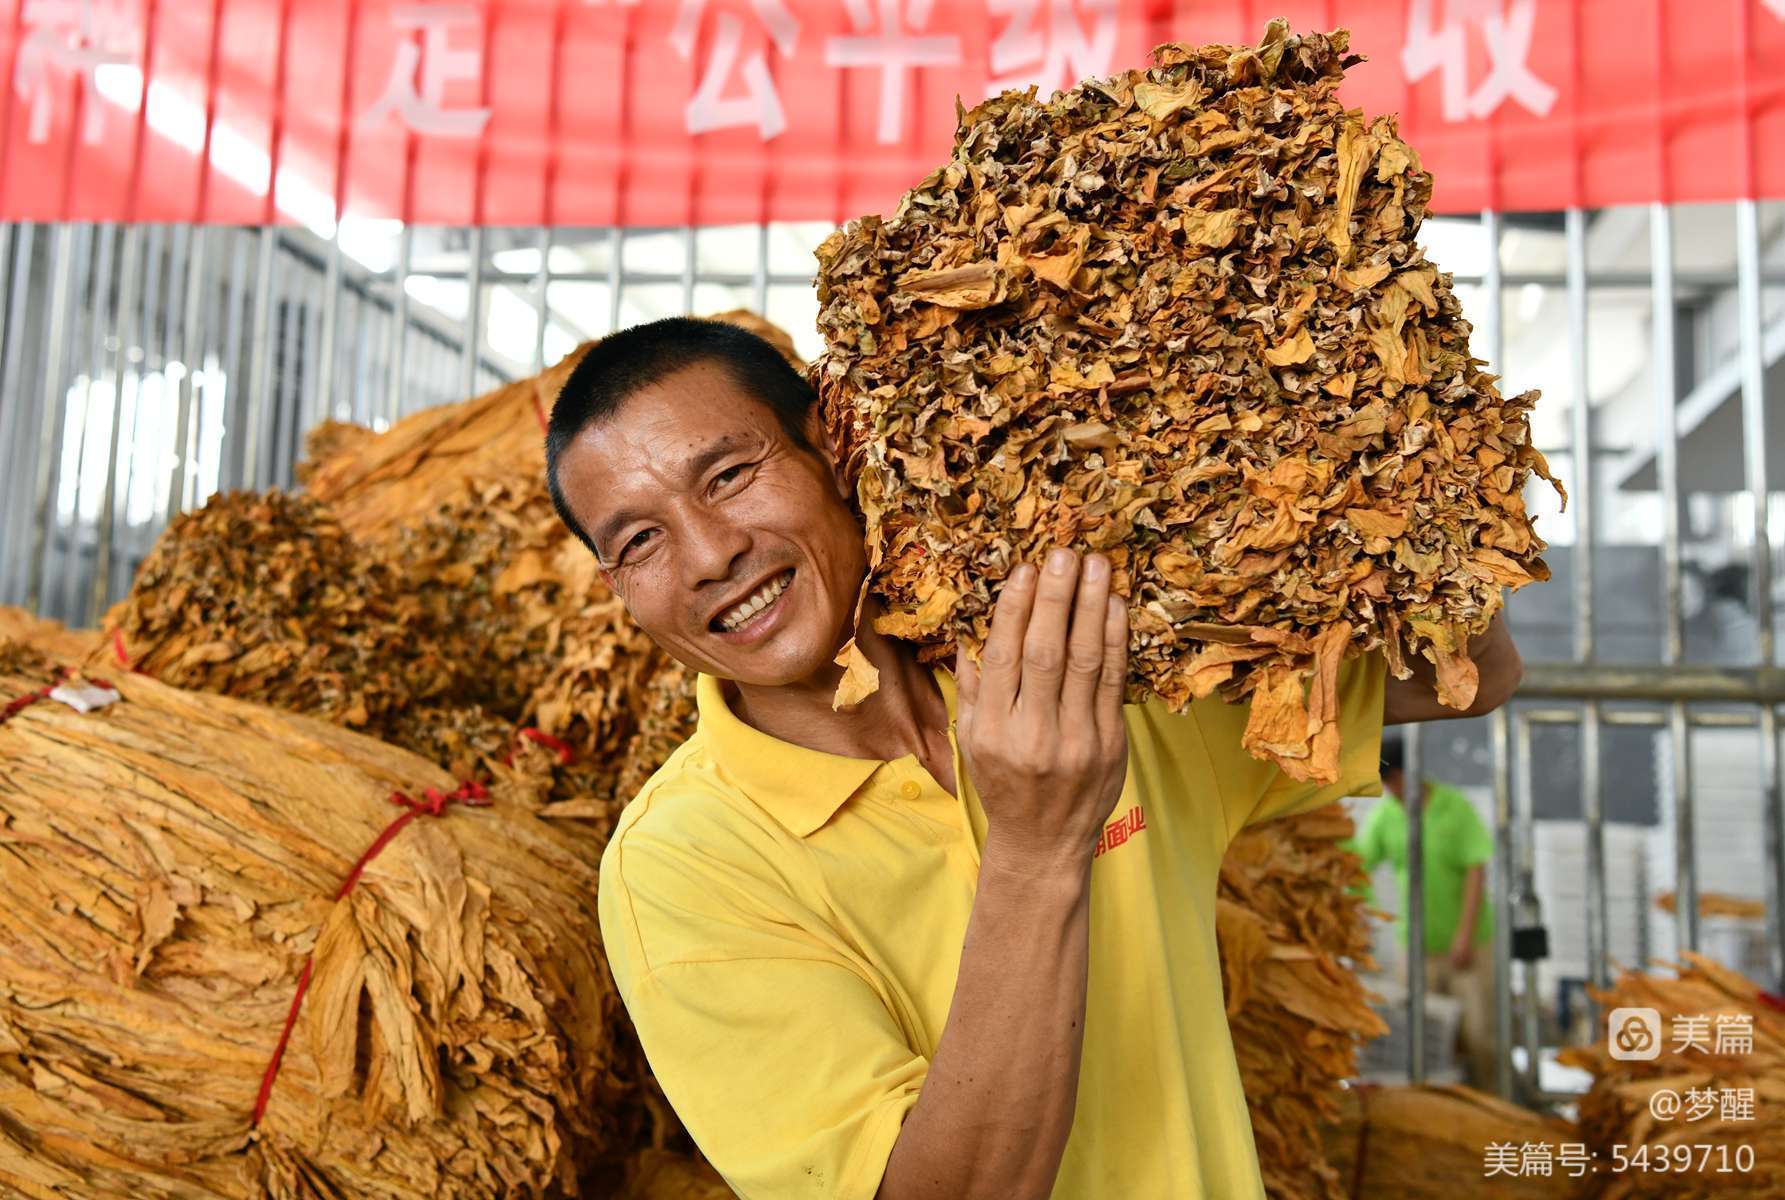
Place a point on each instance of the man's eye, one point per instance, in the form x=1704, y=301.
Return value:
x=727, y=471
x=633, y=541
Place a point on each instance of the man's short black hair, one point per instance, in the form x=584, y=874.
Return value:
x=628, y=362
x=1394, y=755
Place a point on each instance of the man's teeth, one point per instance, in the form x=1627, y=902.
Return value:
x=764, y=596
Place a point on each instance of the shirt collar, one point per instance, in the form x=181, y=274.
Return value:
x=800, y=787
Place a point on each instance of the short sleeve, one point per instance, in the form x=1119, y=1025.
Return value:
x=772, y=1044
x=1254, y=790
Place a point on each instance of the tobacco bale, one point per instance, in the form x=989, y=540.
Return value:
x=662, y=1175
x=267, y=596
x=1430, y=1143
x=169, y=863
x=1179, y=316
x=1616, y=1109
x=667, y=716
x=378, y=483
x=52, y=637
x=1716, y=904
x=1290, y=937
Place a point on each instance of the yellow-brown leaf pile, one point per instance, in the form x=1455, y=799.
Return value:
x=1616, y=1111
x=1179, y=316
x=1431, y=1143
x=1291, y=938
x=170, y=863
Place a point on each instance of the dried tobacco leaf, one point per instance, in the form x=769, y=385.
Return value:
x=1616, y=1110
x=1430, y=1143
x=170, y=865
x=51, y=637
x=1291, y=937
x=1178, y=316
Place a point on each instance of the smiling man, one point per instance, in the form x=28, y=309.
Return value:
x=958, y=940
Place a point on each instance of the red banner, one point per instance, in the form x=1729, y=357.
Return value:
x=670, y=112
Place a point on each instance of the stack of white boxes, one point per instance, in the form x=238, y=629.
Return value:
x=1730, y=844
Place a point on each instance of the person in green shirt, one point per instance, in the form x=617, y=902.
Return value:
x=1459, y=919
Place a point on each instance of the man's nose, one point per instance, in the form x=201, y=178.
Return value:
x=712, y=546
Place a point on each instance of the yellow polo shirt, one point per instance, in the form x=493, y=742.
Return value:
x=785, y=926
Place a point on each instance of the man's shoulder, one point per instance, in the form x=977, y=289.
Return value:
x=687, y=817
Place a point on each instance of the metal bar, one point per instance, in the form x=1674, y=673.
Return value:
x=99, y=312
x=1645, y=718
x=192, y=354
x=1493, y=325
x=1754, y=448
x=235, y=375
x=1772, y=787
x=473, y=316
x=737, y=279
x=61, y=283
x=1687, y=682
x=331, y=322
x=759, y=287
x=1592, y=802
x=12, y=528
x=615, y=274
x=1701, y=281
x=1413, y=803
x=129, y=281
x=181, y=240
x=1503, y=850
x=689, y=250
x=541, y=286
x=399, y=328
x=259, y=360
x=1673, y=633
x=1529, y=1029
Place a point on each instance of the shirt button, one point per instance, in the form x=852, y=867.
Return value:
x=910, y=790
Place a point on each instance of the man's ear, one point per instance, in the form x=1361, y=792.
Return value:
x=820, y=439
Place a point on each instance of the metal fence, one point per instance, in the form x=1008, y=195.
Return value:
x=146, y=367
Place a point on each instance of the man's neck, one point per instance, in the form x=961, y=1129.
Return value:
x=887, y=725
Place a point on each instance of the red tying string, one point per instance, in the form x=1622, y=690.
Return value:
x=16, y=706
x=540, y=737
x=1773, y=1000
x=118, y=649
x=472, y=793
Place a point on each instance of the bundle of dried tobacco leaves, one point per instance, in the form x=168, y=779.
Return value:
x=1178, y=316
x=170, y=866
x=1723, y=1037
x=1431, y=1143
x=1291, y=937
x=52, y=637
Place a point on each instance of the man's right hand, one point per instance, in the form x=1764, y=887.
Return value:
x=1039, y=719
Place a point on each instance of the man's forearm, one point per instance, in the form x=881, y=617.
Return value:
x=1499, y=667
x=1472, y=885
x=996, y=1106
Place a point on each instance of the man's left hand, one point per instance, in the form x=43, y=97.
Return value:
x=1462, y=954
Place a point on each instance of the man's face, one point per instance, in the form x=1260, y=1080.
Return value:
x=697, y=502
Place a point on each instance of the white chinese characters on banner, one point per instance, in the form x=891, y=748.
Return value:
x=881, y=40
x=63, y=38
x=1506, y=30
x=1052, y=44
x=424, y=109
x=760, y=104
